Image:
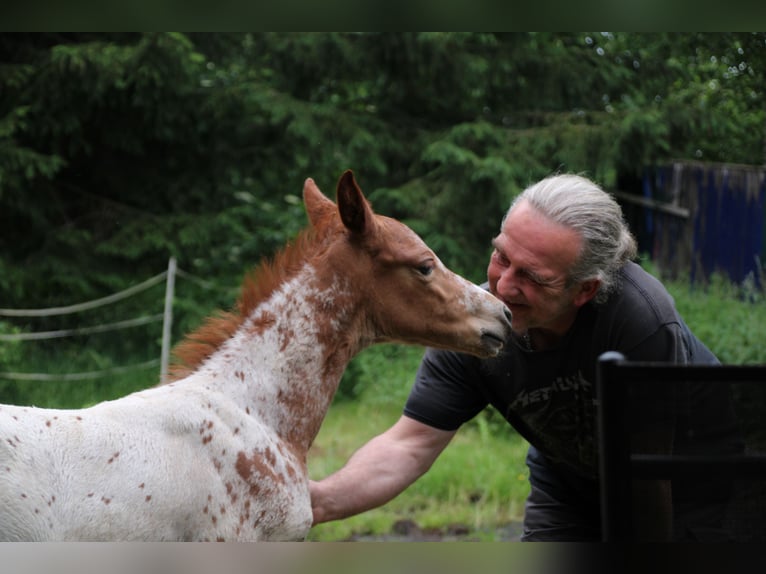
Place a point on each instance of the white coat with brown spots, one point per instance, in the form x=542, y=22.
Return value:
x=220, y=453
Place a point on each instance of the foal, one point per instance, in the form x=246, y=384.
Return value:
x=220, y=453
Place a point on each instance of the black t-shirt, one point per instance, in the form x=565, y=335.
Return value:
x=549, y=396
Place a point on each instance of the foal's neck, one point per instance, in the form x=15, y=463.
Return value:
x=286, y=360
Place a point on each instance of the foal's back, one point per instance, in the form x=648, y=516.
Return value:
x=168, y=463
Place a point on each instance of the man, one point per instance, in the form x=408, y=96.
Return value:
x=562, y=263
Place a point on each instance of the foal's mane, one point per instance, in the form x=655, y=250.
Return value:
x=257, y=286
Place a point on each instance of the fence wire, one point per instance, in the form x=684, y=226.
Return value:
x=166, y=317
x=113, y=298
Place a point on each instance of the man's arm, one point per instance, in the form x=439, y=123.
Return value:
x=379, y=470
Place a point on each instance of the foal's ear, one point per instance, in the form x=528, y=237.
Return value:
x=355, y=210
x=318, y=205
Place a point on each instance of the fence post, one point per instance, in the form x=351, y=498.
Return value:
x=167, y=322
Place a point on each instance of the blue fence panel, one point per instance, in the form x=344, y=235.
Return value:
x=725, y=227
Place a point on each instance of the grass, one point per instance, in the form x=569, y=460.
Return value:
x=727, y=318
x=479, y=481
x=66, y=357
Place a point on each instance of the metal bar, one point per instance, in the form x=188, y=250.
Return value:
x=652, y=466
x=632, y=372
x=614, y=452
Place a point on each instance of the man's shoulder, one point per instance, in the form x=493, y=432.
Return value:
x=440, y=361
x=641, y=291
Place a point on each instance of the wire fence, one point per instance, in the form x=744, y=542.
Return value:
x=166, y=318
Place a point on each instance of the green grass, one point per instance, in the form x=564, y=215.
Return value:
x=479, y=481
x=729, y=319
x=111, y=354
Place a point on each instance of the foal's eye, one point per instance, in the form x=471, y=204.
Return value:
x=425, y=269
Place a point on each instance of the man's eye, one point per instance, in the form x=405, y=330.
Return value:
x=501, y=259
x=529, y=278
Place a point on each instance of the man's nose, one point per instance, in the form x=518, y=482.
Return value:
x=507, y=283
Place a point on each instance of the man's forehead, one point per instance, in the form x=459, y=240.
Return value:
x=529, y=236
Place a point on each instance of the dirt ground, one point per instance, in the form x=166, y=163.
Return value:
x=409, y=531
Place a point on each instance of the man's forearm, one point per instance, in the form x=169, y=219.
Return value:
x=378, y=471
x=362, y=484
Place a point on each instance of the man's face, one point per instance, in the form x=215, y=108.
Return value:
x=529, y=271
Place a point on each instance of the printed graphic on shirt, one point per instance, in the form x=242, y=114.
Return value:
x=562, y=416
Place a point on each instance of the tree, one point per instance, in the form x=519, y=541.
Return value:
x=117, y=150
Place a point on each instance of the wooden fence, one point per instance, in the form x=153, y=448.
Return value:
x=695, y=219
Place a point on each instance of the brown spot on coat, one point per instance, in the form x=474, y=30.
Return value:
x=258, y=470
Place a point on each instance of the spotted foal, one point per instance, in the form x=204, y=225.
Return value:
x=220, y=452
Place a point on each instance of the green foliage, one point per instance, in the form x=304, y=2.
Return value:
x=693, y=96
x=118, y=150
x=382, y=373
x=10, y=351
x=728, y=318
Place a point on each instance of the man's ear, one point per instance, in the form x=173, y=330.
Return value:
x=586, y=291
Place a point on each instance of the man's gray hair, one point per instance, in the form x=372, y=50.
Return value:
x=578, y=203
